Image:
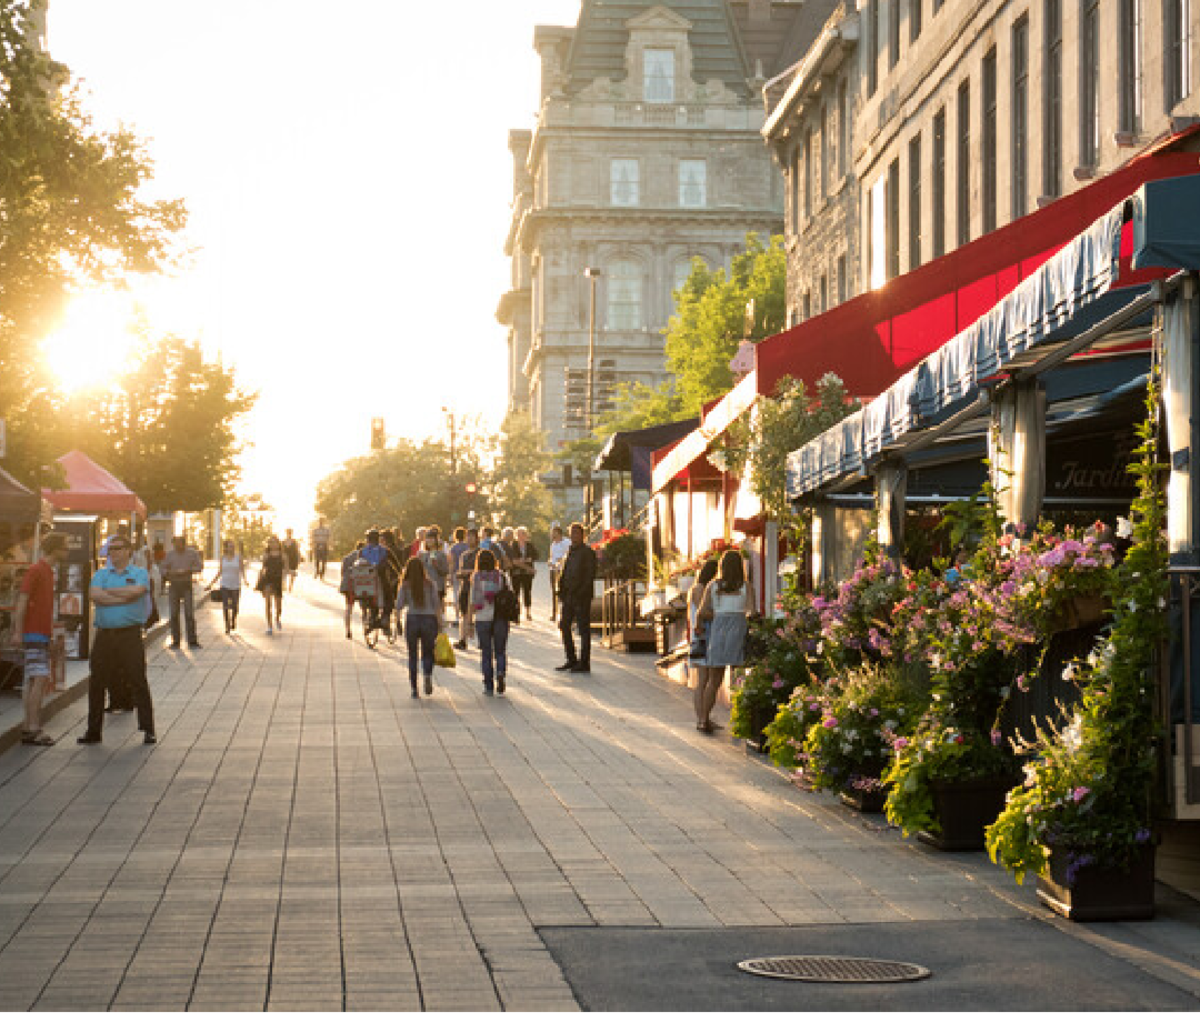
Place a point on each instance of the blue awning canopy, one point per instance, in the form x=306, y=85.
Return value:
x=1066, y=306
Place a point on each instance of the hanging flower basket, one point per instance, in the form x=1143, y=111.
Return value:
x=1082, y=612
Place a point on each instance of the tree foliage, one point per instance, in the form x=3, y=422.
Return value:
x=167, y=428
x=516, y=492
x=71, y=216
x=704, y=334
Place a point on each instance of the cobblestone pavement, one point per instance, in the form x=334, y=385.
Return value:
x=306, y=836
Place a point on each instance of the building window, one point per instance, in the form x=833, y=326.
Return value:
x=1089, y=68
x=989, y=141
x=939, y=183
x=892, y=228
x=843, y=285
x=794, y=189
x=624, y=296
x=807, y=304
x=843, y=128
x=1052, y=110
x=893, y=33
x=914, y=202
x=914, y=19
x=964, y=162
x=1131, y=66
x=623, y=182
x=873, y=46
x=693, y=184
x=823, y=184
x=1177, y=50
x=824, y=295
x=683, y=271
x=659, y=71
x=1020, y=118
x=808, y=176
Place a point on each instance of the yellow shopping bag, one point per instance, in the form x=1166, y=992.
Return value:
x=443, y=652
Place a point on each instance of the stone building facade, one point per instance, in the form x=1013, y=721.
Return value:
x=965, y=116
x=646, y=154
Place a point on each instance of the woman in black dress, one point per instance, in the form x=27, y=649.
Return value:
x=270, y=581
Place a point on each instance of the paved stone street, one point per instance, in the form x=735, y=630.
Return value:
x=308, y=837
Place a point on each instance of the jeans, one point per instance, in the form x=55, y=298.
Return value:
x=231, y=600
x=493, y=648
x=420, y=630
x=577, y=611
x=177, y=593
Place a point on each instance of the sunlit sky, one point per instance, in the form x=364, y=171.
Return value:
x=347, y=173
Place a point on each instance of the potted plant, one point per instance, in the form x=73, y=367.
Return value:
x=849, y=747
x=1082, y=820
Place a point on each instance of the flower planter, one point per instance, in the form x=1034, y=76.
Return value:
x=1082, y=612
x=865, y=801
x=965, y=808
x=760, y=717
x=1100, y=893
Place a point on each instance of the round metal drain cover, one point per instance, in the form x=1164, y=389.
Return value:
x=829, y=969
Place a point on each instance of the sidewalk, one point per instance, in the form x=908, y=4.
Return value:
x=308, y=837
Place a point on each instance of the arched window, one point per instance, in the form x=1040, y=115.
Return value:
x=683, y=270
x=624, y=296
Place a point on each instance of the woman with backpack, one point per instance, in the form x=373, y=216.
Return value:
x=492, y=619
x=423, y=621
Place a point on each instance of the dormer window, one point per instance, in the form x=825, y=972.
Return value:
x=659, y=76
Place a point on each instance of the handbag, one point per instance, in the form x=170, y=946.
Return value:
x=443, y=652
x=698, y=649
x=214, y=596
x=261, y=584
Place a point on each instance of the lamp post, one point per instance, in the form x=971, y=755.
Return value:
x=593, y=274
x=453, y=470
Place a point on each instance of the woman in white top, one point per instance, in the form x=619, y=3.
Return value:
x=726, y=605
x=491, y=630
x=231, y=573
x=696, y=629
x=559, y=548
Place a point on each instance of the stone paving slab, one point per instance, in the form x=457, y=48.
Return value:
x=308, y=837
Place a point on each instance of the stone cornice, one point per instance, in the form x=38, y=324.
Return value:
x=508, y=301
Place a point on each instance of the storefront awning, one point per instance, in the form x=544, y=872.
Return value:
x=632, y=450
x=1068, y=304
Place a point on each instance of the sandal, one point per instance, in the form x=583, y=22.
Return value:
x=38, y=738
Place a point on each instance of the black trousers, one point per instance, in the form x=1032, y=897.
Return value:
x=119, y=655
x=523, y=585
x=577, y=612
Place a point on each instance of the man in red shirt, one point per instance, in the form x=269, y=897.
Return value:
x=34, y=623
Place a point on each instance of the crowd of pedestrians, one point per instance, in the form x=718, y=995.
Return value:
x=486, y=579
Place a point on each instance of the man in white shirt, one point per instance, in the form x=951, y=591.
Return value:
x=559, y=547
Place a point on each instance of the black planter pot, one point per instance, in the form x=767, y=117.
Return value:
x=865, y=801
x=760, y=717
x=1100, y=893
x=964, y=809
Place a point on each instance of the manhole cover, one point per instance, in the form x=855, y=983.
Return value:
x=827, y=969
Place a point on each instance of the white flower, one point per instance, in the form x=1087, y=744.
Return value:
x=1070, y=671
x=1073, y=736
x=1124, y=528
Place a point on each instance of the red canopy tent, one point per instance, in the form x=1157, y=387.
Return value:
x=91, y=489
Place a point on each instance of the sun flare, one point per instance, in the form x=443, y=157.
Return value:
x=93, y=341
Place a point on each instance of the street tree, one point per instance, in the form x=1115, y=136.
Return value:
x=516, y=492
x=168, y=427
x=72, y=216
x=248, y=520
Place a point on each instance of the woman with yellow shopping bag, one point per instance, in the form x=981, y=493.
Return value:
x=423, y=625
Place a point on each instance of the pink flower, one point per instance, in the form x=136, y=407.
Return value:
x=1080, y=793
x=830, y=722
x=900, y=743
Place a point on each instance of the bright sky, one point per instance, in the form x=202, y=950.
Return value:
x=347, y=172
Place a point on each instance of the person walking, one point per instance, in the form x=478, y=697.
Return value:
x=231, y=573
x=292, y=558
x=558, y=554
x=390, y=572
x=490, y=628
x=435, y=561
x=423, y=621
x=33, y=625
x=467, y=562
x=320, y=549
x=345, y=587
x=118, y=652
x=522, y=555
x=455, y=553
x=575, y=589
x=270, y=581
x=179, y=568
x=725, y=607
x=697, y=629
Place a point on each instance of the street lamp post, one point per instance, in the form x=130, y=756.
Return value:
x=593, y=274
x=453, y=469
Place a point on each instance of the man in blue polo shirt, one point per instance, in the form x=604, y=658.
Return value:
x=117, y=592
